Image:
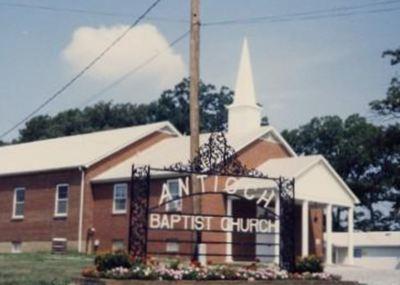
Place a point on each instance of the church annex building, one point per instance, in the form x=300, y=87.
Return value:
x=76, y=189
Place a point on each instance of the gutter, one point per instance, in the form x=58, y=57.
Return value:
x=168, y=174
x=29, y=172
x=81, y=201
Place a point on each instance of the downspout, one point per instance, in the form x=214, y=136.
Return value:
x=80, y=226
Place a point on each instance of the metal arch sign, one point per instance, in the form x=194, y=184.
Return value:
x=265, y=198
x=203, y=222
x=215, y=158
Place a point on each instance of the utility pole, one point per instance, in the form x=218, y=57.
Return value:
x=194, y=104
x=194, y=88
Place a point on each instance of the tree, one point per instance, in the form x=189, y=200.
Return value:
x=358, y=150
x=36, y=128
x=390, y=106
x=389, y=109
x=173, y=105
x=101, y=116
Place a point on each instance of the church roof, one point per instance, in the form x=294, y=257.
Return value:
x=173, y=150
x=299, y=167
x=73, y=151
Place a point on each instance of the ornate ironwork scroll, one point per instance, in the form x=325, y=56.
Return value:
x=140, y=191
x=216, y=157
x=287, y=224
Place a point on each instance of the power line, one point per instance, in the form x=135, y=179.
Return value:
x=314, y=14
x=100, y=93
x=83, y=71
x=84, y=11
x=339, y=15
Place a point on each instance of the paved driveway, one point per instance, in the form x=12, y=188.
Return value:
x=366, y=275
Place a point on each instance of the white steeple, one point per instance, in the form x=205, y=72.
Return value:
x=244, y=114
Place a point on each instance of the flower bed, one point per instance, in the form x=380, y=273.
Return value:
x=205, y=274
x=121, y=267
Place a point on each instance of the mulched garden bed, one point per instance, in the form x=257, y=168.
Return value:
x=100, y=281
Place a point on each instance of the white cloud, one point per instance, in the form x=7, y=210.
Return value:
x=140, y=44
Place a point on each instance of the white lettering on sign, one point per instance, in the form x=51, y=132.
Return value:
x=183, y=187
x=266, y=197
x=165, y=194
x=247, y=195
x=263, y=197
x=201, y=178
x=203, y=223
x=163, y=221
x=229, y=181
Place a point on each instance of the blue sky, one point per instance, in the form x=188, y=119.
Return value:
x=302, y=68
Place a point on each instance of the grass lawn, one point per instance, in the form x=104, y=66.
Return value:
x=40, y=268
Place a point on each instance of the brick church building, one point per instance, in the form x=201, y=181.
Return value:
x=76, y=189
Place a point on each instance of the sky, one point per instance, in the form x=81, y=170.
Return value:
x=303, y=66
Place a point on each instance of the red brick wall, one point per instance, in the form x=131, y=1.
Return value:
x=107, y=163
x=39, y=223
x=260, y=151
x=111, y=226
x=316, y=232
x=108, y=226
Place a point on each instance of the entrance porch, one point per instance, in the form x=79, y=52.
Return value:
x=318, y=192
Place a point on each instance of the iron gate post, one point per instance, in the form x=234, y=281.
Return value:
x=138, y=215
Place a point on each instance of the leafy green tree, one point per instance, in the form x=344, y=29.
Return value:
x=389, y=109
x=359, y=151
x=390, y=106
x=173, y=105
x=36, y=128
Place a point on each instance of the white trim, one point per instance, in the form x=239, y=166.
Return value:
x=163, y=174
x=56, y=200
x=178, y=203
x=5, y=174
x=328, y=235
x=81, y=202
x=350, y=236
x=304, y=228
x=284, y=142
x=277, y=210
x=229, y=248
x=16, y=247
x=172, y=243
x=14, y=216
x=117, y=211
x=172, y=129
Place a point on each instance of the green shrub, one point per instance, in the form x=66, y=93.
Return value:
x=109, y=261
x=310, y=264
x=173, y=263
